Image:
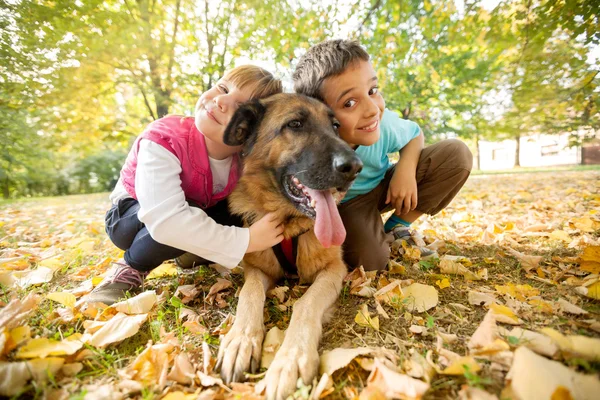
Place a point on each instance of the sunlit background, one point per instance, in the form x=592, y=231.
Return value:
x=516, y=80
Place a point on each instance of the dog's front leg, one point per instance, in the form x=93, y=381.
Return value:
x=240, y=349
x=298, y=355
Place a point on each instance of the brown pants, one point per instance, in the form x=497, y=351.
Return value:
x=442, y=171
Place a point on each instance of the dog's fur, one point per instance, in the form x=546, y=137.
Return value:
x=283, y=136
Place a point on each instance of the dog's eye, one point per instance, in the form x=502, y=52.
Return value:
x=295, y=124
x=336, y=125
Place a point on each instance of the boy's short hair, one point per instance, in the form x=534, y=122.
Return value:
x=323, y=60
x=265, y=84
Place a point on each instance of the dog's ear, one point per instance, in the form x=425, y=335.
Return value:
x=244, y=123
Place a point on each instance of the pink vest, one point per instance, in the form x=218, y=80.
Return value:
x=180, y=136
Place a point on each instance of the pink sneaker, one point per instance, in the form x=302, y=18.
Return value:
x=121, y=279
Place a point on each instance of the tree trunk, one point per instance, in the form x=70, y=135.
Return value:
x=477, y=152
x=6, y=188
x=518, y=150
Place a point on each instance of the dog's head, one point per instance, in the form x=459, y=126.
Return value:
x=292, y=142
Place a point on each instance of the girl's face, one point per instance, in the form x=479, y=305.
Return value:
x=216, y=106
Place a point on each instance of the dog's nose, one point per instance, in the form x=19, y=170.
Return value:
x=347, y=165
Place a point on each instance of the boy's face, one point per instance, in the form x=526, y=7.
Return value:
x=216, y=106
x=355, y=99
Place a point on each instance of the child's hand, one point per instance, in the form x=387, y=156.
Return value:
x=265, y=233
x=402, y=192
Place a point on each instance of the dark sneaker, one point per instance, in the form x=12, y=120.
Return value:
x=121, y=279
x=189, y=260
x=403, y=232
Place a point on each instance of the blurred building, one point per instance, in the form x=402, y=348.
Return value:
x=537, y=151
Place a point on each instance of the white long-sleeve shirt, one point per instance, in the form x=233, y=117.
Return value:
x=169, y=218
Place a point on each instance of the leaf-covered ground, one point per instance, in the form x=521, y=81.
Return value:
x=515, y=288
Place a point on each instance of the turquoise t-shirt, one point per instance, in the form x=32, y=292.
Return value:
x=395, y=133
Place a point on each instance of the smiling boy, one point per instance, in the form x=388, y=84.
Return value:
x=424, y=181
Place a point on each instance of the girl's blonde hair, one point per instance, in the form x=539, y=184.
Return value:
x=265, y=84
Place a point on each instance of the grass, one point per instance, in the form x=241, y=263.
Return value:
x=555, y=200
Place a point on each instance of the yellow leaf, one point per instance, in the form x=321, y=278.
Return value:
x=20, y=334
x=64, y=298
x=53, y=263
x=590, y=260
x=44, y=347
x=418, y=297
x=364, y=319
x=575, y=346
x=443, y=283
x=460, y=365
x=504, y=314
x=179, y=395
x=163, y=270
x=519, y=292
x=560, y=235
x=592, y=291
x=584, y=224
x=561, y=393
x=96, y=280
x=541, y=305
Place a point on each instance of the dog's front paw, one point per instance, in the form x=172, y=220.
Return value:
x=240, y=351
x=290, y=363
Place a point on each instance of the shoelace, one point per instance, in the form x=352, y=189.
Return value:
x=128, y=275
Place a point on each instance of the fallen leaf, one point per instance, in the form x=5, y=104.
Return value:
x=195, y=327
x=364, y=319
x=15, y=375
x=481, y=299
x=163, y=270
x=189, y=293
x=420, y=298
x=458, y=367
x=271, y=344
x=505, y=314
x=485, y=334
x=119, y=328
x=560, y=236
x=443, y=283
x=528, y=262
x=182, y=371
x=567, y=307
x=390, y=293
x=535, y=341
x=533, y=377
x=457, y=265
x=179, y=395
x=44, y=347
x=592, y=291
x=519, y=292
x=40, y=275
x=333, y=360
x=278, y=293
x=71, y=369
x=393, y=384
x=473, y=393
x=395, y=267
x=140, y=304
x=64, y=298
x=221, y=284
x=208, y=380
x=151, y=365
x=590, y=260
x=575, y=346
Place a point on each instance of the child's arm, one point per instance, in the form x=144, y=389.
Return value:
x=402, y=192
x=171, y=221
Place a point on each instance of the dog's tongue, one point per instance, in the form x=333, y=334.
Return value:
x=328, y=227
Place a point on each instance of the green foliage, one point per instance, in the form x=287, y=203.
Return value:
x=80, y=80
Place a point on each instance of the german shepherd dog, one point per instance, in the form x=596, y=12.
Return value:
x=295, y=165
